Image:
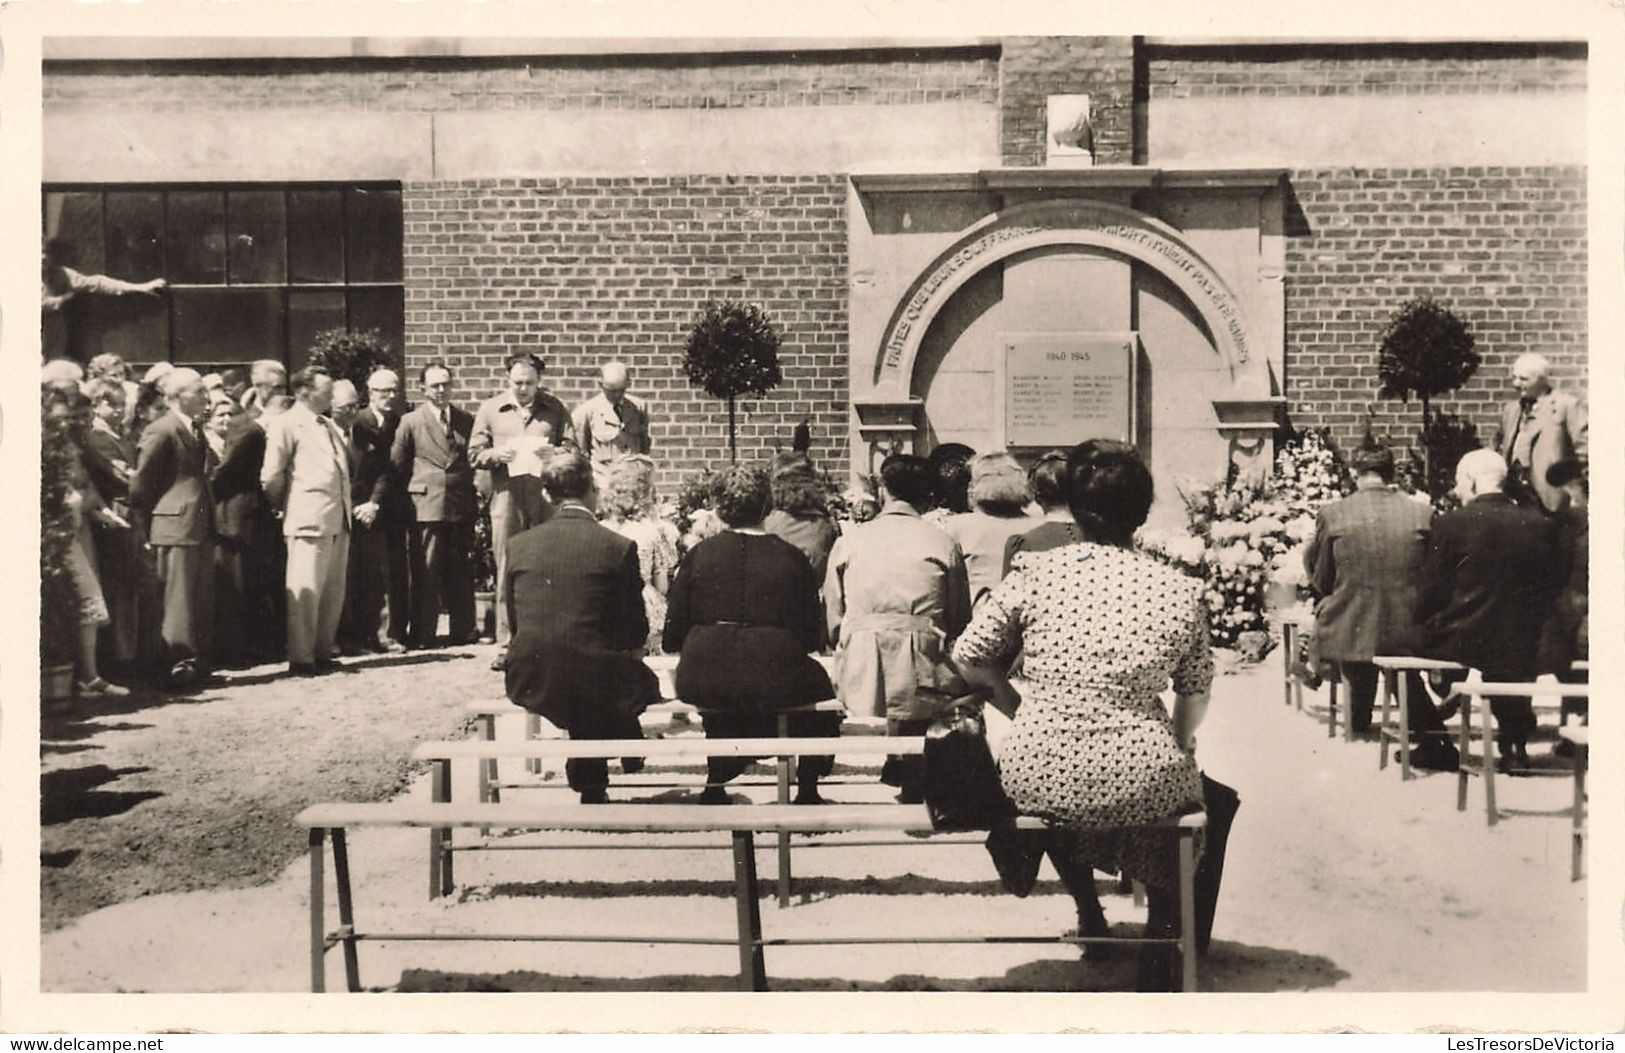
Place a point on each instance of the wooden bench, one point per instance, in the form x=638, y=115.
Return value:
x=1476, y=691
x=1394, y=685
x=692, y=748
x=1290, y=628
x=1580, y=739
x=332, y=820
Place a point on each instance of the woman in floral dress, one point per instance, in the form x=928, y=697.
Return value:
x=627, y=506
x=1103, y=631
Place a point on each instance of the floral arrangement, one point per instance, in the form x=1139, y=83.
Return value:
x=1241, y=539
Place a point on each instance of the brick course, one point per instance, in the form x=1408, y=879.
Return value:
x=1033, y=68
x=607, y=82
x=582, y=270
x=1505, y=248
x=1195, y=72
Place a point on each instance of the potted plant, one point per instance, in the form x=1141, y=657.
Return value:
x=1426, y=350
x=59, y=599
x=733, y=350
x=485, y=571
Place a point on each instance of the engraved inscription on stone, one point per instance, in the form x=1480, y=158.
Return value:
x=1062, y=390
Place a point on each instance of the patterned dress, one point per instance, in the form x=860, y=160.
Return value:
x=1092, y=747
x=657, y=561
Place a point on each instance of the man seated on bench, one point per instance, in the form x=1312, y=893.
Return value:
x=575, y=606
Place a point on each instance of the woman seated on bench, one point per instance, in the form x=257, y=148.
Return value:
x=1092, y=748
x=743, y=614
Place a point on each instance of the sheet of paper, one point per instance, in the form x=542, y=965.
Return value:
x=527, y=458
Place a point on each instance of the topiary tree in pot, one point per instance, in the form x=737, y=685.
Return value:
x=352, y=356
x=59, y=598
x=1426, y=350
x=733, y=350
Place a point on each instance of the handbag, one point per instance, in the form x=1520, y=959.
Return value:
x=962, y=790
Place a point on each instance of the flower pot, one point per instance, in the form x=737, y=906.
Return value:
x=56, y=683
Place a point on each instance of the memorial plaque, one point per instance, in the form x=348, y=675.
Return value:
x=1060, y=390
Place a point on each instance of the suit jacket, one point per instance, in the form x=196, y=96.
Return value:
x=239, y=504
x=307, y=473
x=434, y=463
x=109, y=460
x=374, y=478
x=575, y=602
x=501, y=418
x=1487, y=583
x=170, y=485
x=1558, y=424
x=1365, y=565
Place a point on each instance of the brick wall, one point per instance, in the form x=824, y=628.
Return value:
x=1033, y=68
x=607, y=82
x=1505, y=248
x=1372, y=70
x=581, y=270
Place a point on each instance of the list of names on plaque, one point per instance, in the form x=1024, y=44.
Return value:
x=1062, y=391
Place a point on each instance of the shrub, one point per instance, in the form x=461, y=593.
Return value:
x=733, y=350
x=353, y=356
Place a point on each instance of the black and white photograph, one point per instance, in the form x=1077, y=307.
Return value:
x=855, y=501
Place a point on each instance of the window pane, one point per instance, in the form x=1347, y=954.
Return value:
x=311, y=312
x=135, y=241
x=372, y=243
x=315, y=245
x=383, y=309
x=258, y=235
x=197, y=237
x=136, y=328
x=76, y=218
x=228, y=325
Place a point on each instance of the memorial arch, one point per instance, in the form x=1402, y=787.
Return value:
x=1057, y=316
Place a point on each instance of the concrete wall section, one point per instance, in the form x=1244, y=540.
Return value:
x=93, y=147
x=789, y=140
x=1368, y=130
x=87, y=146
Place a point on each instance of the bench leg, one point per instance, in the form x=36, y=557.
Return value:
x=490, y=792
x=1289, y=650
x=440, y=877
x=752, y=970
x=1382, y=721
x=341, y=877
x=1465, y=751
x=1138, y=891
x=1491, y=816
x=318, y=934
x=783, y=771
x=1187, y=912
x=1404, y=728
x=533, y=730
x=1580, y=761
x=1331, y=707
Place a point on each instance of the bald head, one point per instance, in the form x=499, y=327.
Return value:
x=613, y=379
x=1529, y=375
x=183, y=389
x=1480, y=472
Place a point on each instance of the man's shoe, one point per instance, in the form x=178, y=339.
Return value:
x=183, y=675
x=594, y=796
x=392, y=647
x=809, y=795
x=631, y=765
x=328, y=664
x=911, y=795
x=302, y=669
x=714, y=795
x=500, y=663
x=100, y=688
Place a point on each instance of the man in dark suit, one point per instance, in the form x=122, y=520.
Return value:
x=1364, y=565
x=374, y=498
x=170, y=487
x=574, y=595
x=248, y=550
x=1488, y=580
x=430, y=451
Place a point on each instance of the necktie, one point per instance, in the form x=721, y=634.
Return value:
x=1525, y=408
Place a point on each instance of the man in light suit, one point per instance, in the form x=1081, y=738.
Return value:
x=431, y=453
x=575, y=597
x=526, y=412
x=612, y=422
x=1365, y=567
x=306, y=478
x=170, y=488
x=1540, y=428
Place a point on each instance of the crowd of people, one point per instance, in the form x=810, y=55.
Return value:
x=248, y=516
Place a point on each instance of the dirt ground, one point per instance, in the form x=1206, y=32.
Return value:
x=1339, y=876
x=158, y=793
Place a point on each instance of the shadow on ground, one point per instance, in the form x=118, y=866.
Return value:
x=70, y=793
x=1230, y=967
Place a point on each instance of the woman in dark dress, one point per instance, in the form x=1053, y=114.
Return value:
x=743, y=615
